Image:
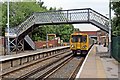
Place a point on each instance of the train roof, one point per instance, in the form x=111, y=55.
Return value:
x=76, y=33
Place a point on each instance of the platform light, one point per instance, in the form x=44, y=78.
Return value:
x=8, y=38
x=110, y=28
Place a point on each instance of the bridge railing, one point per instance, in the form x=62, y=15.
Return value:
x=71, y=15
x=29, y=41
x=25, y=25
x=63, y=16
x=98, y=17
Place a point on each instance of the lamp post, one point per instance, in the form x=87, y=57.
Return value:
x=8, y=39
x=109, y=28
x=46, y=38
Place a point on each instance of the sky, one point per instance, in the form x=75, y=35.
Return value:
x=101, y=6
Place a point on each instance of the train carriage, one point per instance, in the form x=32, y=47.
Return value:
x=80, y=43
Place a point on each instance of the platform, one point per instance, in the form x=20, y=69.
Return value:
x=98, y=65
x=28, y=53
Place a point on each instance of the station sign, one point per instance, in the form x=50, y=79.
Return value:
x=10, y=35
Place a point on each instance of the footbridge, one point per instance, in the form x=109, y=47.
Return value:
x=73, y=16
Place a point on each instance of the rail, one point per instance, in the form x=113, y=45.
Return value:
x=10, y=63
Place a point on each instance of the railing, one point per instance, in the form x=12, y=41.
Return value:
x=30, y=42
x=63, y=16
x=99, y=18
x=25, y=25
x=75, y=15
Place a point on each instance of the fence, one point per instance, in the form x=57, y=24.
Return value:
x=116, y=47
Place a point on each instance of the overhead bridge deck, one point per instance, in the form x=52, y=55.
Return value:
x=72, y=16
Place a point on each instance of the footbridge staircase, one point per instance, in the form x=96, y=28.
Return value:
x=73, y=16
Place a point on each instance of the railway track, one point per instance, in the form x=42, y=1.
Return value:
x=63, y=65
x=67, y=70
x=42, y=69
x=16, y=74
x=54, y=70
x=51, y=69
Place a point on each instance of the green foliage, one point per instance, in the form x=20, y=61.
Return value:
x=39, y=34
x=63, y=31
x=116, y=19
x=19, y=11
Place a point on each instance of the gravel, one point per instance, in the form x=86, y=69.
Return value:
x=67, y=69
x=27, y=70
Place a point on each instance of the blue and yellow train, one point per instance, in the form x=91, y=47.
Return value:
x=80, y=43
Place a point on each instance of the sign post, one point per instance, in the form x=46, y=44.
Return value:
x=109, y=28
x=8, y=38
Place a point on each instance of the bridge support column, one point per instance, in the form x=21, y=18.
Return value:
x=12, y=45
x=15, y=45
x=20, y=45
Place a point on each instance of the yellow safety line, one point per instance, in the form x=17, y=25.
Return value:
x=100, y=68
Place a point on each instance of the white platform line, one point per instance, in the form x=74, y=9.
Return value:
x=81, y=68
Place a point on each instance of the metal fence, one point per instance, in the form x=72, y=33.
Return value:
x=116, y=47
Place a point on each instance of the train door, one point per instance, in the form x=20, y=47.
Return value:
x=79, y=44
x=84, y=44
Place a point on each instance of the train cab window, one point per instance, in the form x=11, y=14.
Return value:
x=76, y=38
x=84, y=38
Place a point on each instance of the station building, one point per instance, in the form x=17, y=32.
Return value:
x=100, y=36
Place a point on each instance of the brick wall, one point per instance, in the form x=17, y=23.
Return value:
x=1, y=41
x=51, y=43
x=1, y=45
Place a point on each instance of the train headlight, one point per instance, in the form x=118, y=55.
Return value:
x=72, y=46
x=84, y=46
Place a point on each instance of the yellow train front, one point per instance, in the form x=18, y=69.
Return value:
x=80, y=43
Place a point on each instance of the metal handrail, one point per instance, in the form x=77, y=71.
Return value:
x=26, y=24
x=30, y=42
x=62, y=16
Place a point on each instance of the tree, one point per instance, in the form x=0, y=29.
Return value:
x=116, y=19
x=63, y=30
x=19, y=11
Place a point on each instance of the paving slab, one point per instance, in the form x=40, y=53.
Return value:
x=96, y=66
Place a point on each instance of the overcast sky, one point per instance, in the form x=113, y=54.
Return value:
x=101, y=6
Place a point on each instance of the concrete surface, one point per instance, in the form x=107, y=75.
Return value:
x=99, y=65
x=100, y=48
x=28, y=53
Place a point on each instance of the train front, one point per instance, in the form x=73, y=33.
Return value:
x=79, y=43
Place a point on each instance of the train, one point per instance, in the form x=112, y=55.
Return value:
x=80, y=43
